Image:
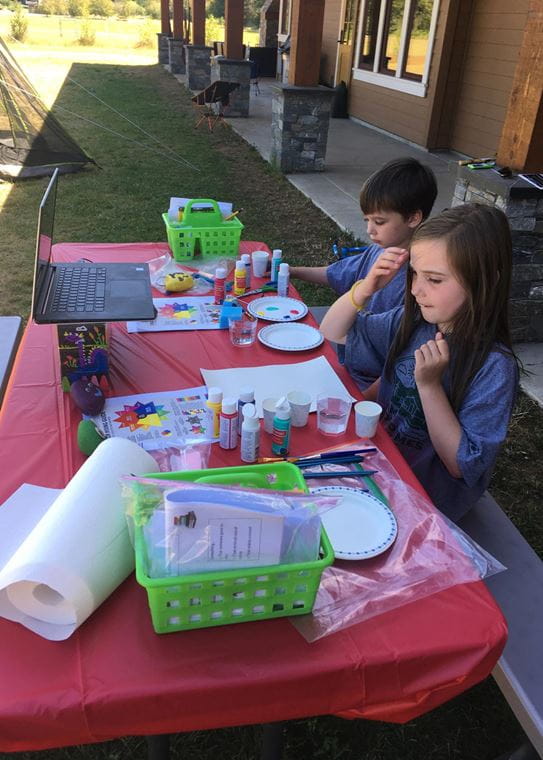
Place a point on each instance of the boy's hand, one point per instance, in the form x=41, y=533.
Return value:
x=385, y=268
x=431, y=360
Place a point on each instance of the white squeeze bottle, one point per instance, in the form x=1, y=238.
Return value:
x=246, y=396
x=250, y=434
x=283, y=280
x=247, y=261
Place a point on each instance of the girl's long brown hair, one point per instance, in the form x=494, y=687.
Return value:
x=479, y=251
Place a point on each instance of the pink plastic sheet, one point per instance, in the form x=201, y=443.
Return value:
x=430, y=554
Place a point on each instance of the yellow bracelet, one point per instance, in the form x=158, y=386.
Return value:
x=351, y=294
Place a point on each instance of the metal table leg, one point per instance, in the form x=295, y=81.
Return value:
x=158, y=747
x=272, y=741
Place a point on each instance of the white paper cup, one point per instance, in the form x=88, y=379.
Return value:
x=260, y=262
x=366, y=417
x=300, y=403
x=268, y=410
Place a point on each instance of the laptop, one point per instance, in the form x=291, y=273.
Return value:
x=83, y=291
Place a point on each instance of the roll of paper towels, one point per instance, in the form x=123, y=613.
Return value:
x=79, y=551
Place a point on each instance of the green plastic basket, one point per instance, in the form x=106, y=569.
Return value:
x=202, y=600
x=205, y=227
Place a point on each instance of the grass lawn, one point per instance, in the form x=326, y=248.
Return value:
x=121, y=200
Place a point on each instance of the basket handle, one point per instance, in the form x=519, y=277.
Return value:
x=194, y=217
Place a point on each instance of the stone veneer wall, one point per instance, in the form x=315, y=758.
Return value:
x=523, y=205
x=239, y=71
x=163, y=48
x=300, y=120
x=198, y=66
x=176, y=52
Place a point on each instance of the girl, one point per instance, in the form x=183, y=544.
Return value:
x=449, y=374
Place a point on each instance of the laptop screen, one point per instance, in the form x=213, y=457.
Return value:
x=44, y=238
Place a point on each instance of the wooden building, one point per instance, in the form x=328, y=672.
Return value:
x=464, y=75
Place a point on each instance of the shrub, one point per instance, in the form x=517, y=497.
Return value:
x=214, y=30
x=102, y=8
x=18, y=24
x=127, y=8
x=153, y=9
x=146, y=36
x=77, y=8
x=87, y=35
x=53, y=7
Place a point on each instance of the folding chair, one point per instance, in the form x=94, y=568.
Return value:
x=211, y=103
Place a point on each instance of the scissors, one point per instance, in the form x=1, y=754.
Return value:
x=271, y=285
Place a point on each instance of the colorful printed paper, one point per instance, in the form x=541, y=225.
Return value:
x=181, y=313
x=158, y=420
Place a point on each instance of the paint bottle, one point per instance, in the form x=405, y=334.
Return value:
x=250, y=434
x=239, y=279
x=220, y=284
x=282, y=280
x=281, y=428
x=245, y=257
x=246, y=396
x=213, y=403
x=277, y=255
x=228, y=424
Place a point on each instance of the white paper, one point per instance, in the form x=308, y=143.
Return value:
x=72, y=553
x=276, y=380
x=204, y=536
x=180, y=313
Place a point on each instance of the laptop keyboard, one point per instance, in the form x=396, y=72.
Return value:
x=79, y=289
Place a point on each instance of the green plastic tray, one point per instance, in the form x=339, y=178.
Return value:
x=233, y=596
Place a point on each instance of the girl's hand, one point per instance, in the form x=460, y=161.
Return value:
x=385, y=268
x=431, y=360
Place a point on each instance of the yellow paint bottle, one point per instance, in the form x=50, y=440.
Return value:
x=214, y=405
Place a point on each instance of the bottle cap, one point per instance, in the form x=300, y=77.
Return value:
x=245, y=257
x=250, y=420
x=277, y=253
x=283, y=268
x=282, y=409
x=240, y=266
x=229, y=405
x=220, y=273
x=246, y=393
x=214, y=394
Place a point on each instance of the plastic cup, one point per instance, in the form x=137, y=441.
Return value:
x=242, y=330
x=366, y=417
x=268, y=410
x=300, y=403
x=333, y=413
x=260, y=263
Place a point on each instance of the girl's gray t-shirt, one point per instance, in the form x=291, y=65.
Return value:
x=484, y=413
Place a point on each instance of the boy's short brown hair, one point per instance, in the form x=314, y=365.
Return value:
x=403, y=185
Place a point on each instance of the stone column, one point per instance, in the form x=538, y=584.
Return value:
x=198, y=66
x=269, y=24
x=300, y=119
x=523, y=205
x=228, y=70
x=176, y=51
x=163, y=50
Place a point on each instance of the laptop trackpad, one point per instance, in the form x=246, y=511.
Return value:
x=128, y=289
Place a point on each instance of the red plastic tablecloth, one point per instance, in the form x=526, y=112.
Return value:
x=116, y=677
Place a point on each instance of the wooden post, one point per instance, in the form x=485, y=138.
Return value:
x=305, y=42
x=521, y=142
x=233, y=31
x=165, y=16
x=198, y=22
x=178, y=19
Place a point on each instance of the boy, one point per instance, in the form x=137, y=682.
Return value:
x=394, y=201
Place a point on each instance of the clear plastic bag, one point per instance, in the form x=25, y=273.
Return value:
x=175, y=458
x=164, y=265
x=199, y=527
x=430, y=554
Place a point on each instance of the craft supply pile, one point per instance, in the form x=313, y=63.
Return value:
x=213, y=545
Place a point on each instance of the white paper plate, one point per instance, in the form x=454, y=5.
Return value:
x=290, y=337
x=277, y=309
x=360, y=526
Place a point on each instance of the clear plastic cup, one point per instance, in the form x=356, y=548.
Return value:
x=333, y=413
x=242, y=330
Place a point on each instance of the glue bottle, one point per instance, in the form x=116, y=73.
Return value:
x=239, y=279
x=281, y=427
x=220, y=284
x=246, y=396
x=250, y=434
x=277, y=255
x=247, y=261
x=228, y=424
x=283, y=280
x=213, y=403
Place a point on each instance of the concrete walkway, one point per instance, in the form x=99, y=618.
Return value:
x=353, y=153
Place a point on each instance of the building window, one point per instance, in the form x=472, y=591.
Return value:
x=394, y=43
